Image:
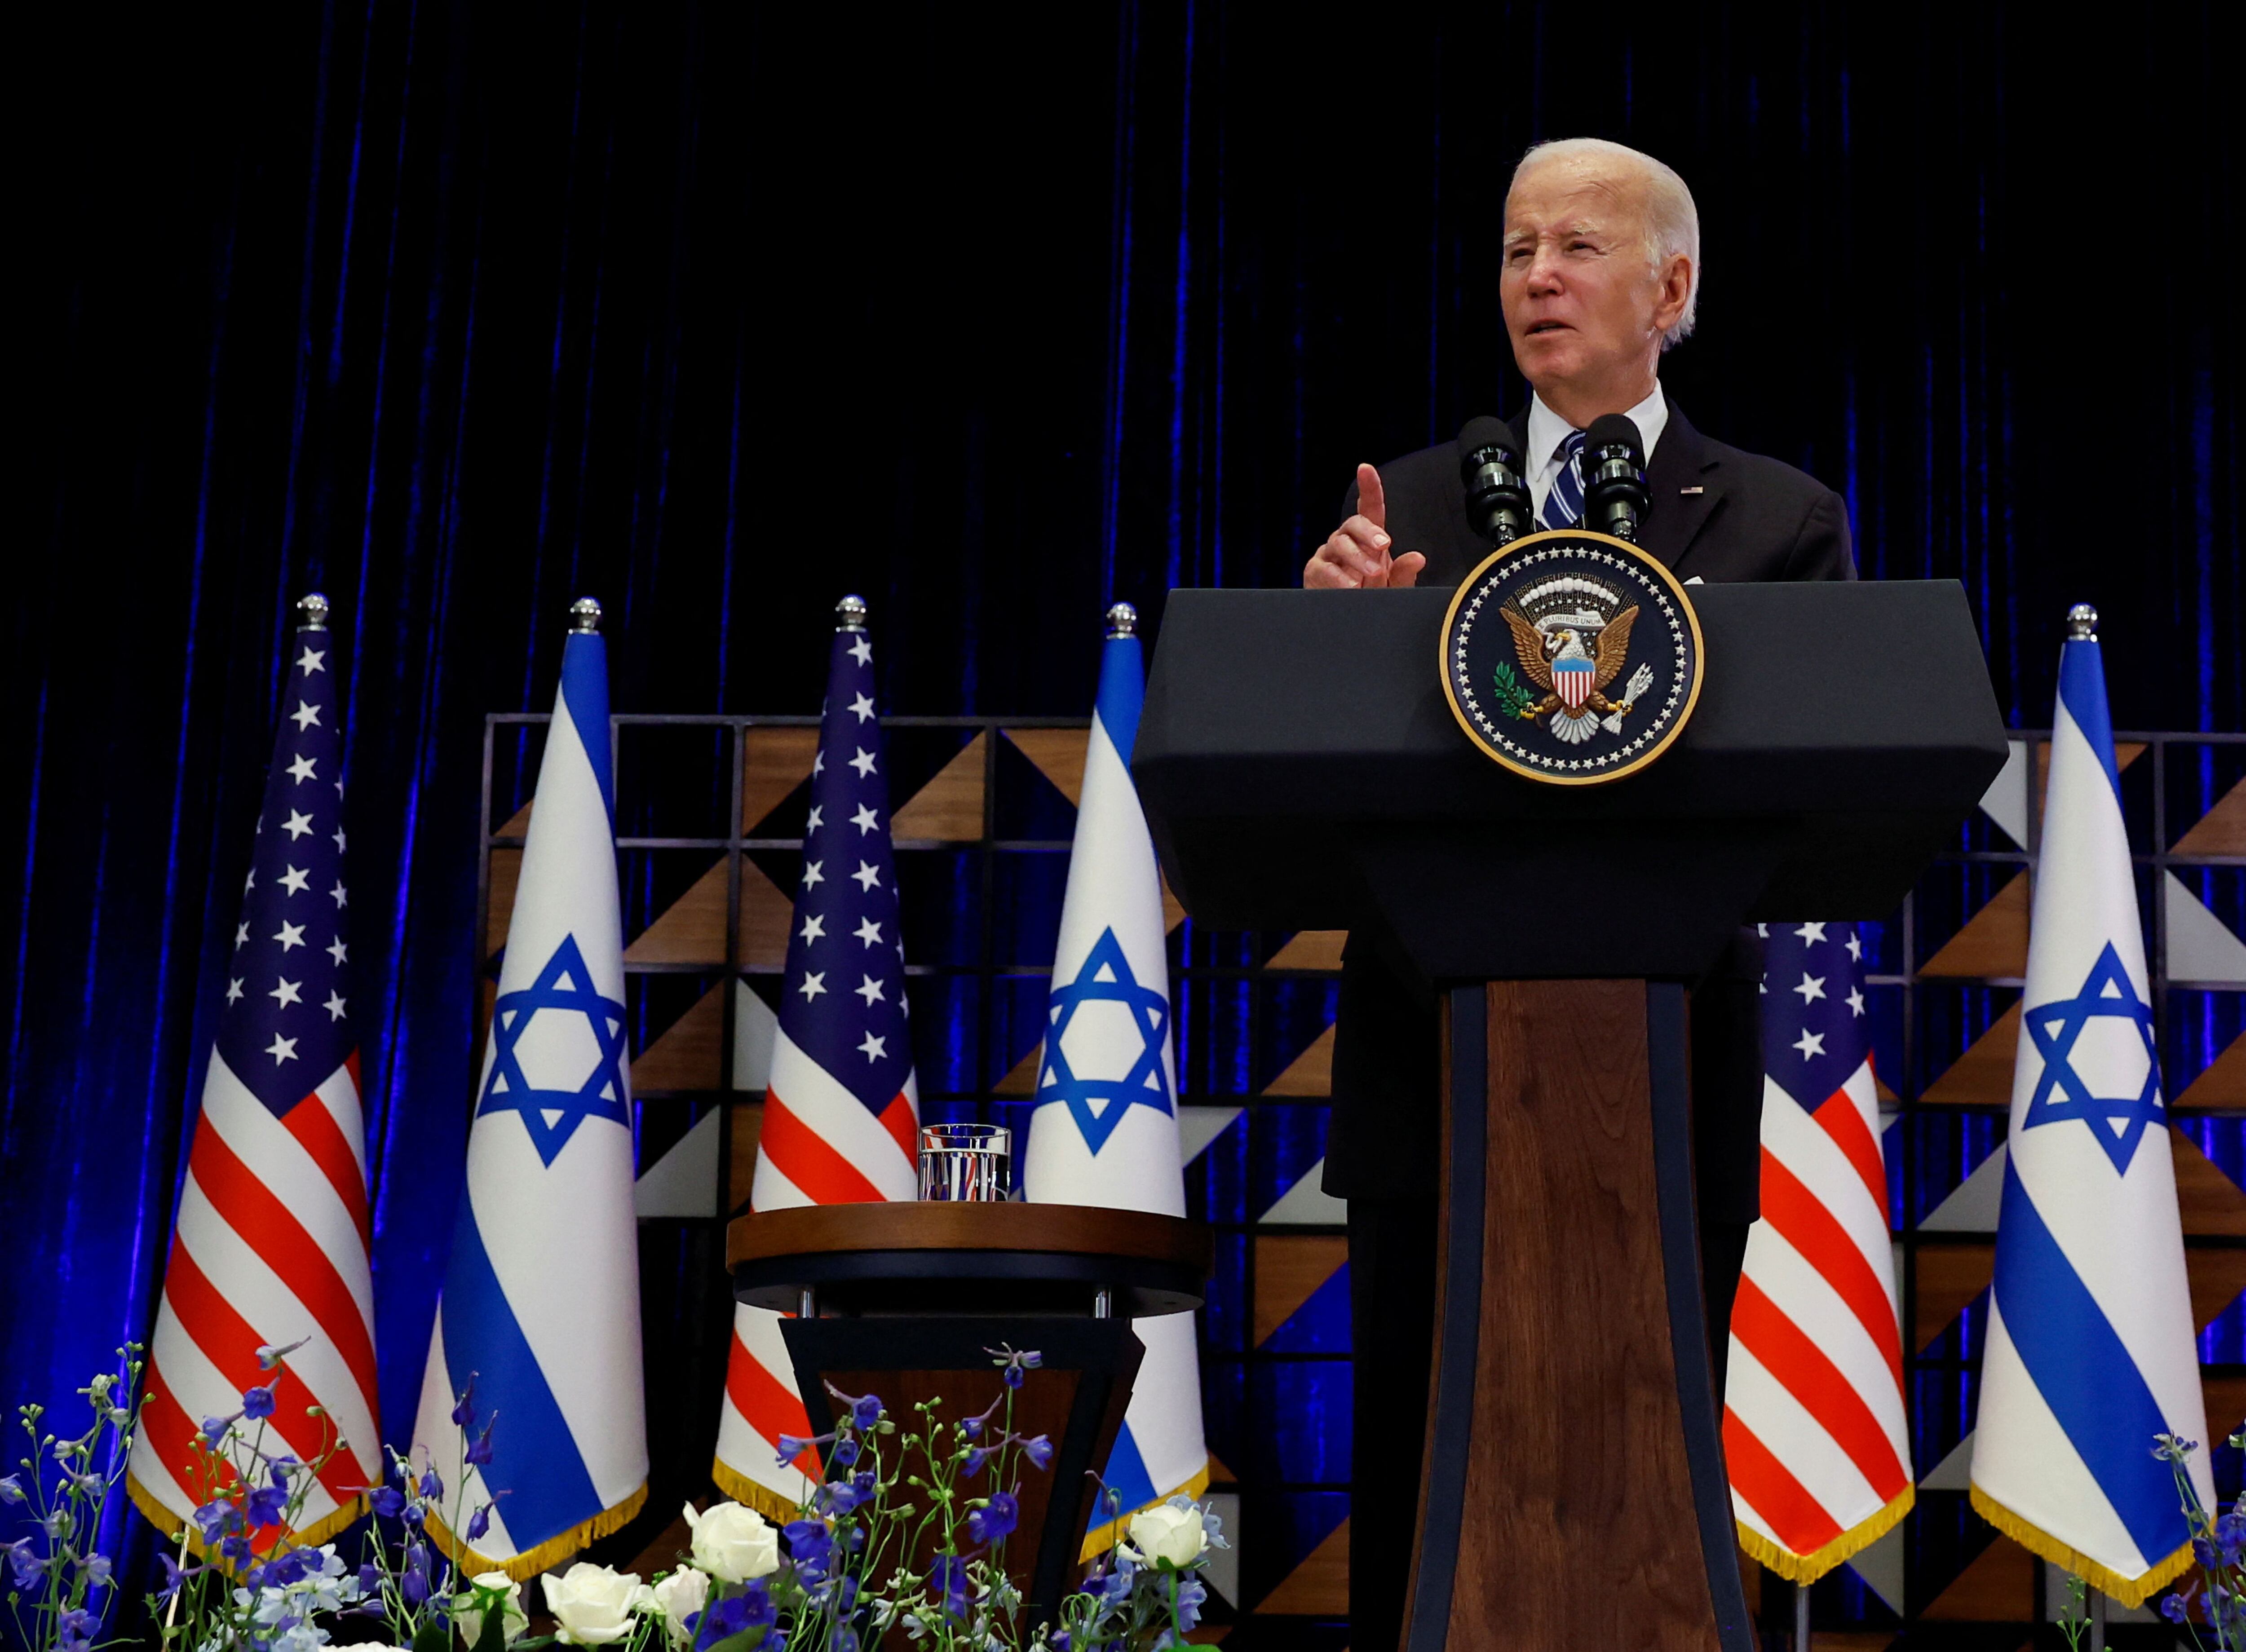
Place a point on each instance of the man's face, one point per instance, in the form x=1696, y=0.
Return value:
x=1583, y=302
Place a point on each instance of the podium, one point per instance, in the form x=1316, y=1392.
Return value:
x=902, y=1300
x=1300, y=769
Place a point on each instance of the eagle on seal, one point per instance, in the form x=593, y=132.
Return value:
x=1575, y=713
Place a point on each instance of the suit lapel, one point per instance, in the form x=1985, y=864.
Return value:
x=1674, y=516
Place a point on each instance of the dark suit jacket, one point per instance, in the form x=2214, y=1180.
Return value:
x=1716, y=514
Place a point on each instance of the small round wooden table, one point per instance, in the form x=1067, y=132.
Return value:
x=905, y=1300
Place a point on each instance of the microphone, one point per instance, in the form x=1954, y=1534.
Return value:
x=1489, y=466
x=1615, y=500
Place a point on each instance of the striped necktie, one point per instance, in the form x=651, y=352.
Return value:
x=1563, y=506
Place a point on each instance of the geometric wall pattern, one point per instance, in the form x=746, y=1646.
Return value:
x=710, y=816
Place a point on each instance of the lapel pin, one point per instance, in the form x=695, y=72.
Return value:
x=1691, y=490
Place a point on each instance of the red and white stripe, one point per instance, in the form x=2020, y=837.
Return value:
x=1813, y=1424
x=271, y=1247
x=819, y=1146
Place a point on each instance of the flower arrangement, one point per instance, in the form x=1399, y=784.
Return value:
x=910, y=1531
x=56, y=1575
x=2219, y=1544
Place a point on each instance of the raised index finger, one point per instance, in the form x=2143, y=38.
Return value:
x=1371, y=502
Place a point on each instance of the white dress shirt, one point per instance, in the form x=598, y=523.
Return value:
x=1548, y=431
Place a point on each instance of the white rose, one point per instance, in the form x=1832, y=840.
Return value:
x=469, y=1616
x=733, y=1544
x=594, y=1604
x=680, y=1596
x=1167, y=1533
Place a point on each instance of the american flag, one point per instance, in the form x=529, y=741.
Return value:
x=842, y=1108
x=270, y=1247
x=1814, y=1428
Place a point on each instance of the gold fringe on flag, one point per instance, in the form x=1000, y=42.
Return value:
x=1808, y=1568
x=530, y=1562
x=2129, y=1591
x=308, y=1537
x=753, y=1494
x=1101, y=1538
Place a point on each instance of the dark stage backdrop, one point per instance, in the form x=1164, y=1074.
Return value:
x=458, y=313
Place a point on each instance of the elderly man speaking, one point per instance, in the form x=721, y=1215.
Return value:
x=1602, y=275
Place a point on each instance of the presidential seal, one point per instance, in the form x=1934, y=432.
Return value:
x=1571, y=657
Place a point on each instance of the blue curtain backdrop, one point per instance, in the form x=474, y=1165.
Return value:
x=716, y=312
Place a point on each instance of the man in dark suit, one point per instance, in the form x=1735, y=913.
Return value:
x=1601, y=275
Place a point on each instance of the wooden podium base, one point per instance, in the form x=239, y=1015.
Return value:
x=1574, y=1493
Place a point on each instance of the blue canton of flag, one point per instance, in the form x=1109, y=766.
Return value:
x=2091, y=1354
x=1105, y=1128
x=541, y=1306
x=842, y=1109
x=286, y=1023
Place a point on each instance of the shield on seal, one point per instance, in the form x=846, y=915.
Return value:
x=1571, y=680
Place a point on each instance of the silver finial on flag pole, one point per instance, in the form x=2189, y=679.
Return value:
x=2082, y=623
x=1122, y=620
x=850, y=613
x=311, y=612
x=585, y=617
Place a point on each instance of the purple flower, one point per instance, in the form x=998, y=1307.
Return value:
x=480, y=1449
x=430, y=1485
x=1038, y=1450
x=215, y=1517
x=811, y=1545
x=269, y=1356
x=844, y=1453
x=76, y=1628
x=480, y=1522
x=1015, y=1360
x=2174, y=1609
x=23, y=1565
x=976, y=1456
x=750, y=1609
x=1193, y=1595
x=97, y=1569
x=370, y=1581
x=173, y=1576
x=464, y=1413
x=257, y=1401
x=11, y=1489
x=995, y=1520
x=947, y=1576
x=267, y=1504
x=215, y=1429
x=292, y=1567
x=845, y=1639
x=414, y=1585
x=387, y=1501
x=236, y=1551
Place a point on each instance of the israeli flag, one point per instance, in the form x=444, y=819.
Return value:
x=2090, y=1352
x=1104, y=1131
x=541, y=1305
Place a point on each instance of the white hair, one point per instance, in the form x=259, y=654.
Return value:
x=1672, y=222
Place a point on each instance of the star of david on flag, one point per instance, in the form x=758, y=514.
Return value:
x=2061, y=1091
x=540, y=1303
x=1104, y=1128
x=2090, y=1353
x=524, y=1031
x=1105, y=996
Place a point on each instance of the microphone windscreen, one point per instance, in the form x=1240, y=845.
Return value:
x=1483, y=432
x=1609, y=428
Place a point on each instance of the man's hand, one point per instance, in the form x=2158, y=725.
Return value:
x=1359, y=555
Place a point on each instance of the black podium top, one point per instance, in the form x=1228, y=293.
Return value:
x=1301, y=769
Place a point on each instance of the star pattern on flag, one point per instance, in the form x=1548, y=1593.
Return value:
x=842, y=1002
x=2063, y=1091
x=1815, y=1034
x=276, y=1033
x=1099, y=1100
x=537, y=1029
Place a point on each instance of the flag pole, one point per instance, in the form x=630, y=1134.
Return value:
x=1802, y=1617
